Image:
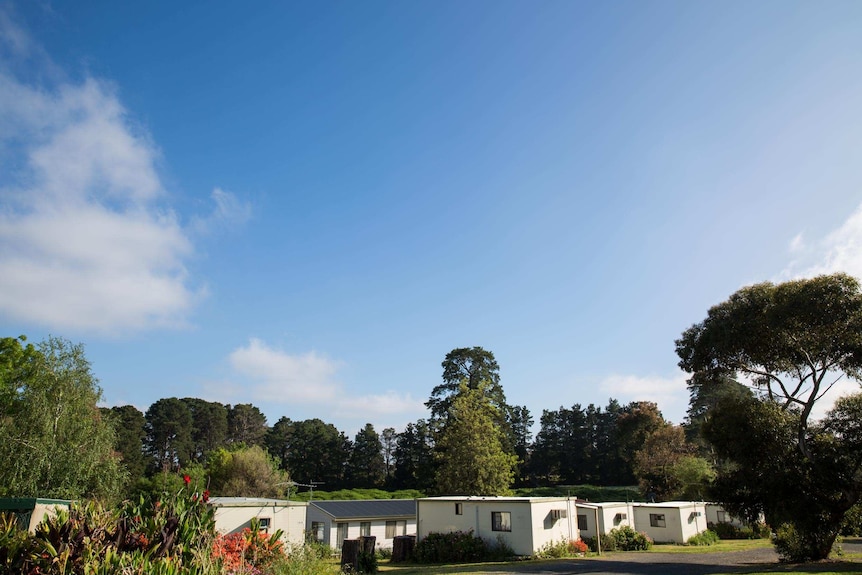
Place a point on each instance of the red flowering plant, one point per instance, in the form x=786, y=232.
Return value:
x=250, y=551
x=173, y=525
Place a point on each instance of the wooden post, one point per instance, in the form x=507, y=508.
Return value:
x=350, y=555
x=402, y=548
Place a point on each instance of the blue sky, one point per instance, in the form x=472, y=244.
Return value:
x=306, y=205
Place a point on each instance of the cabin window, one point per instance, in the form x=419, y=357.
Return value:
x=264, y=523
x=722, y=517
x=341, y=533
x=390, y=529
x=501, y=521
x=459, y=509
x=365, y=528
x=582, y=522
x=317, y=531
x=656, y=520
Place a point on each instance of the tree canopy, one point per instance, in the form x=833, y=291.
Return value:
x=470, y=448
x=790, y=343
x=473, y=366
x=54, y=441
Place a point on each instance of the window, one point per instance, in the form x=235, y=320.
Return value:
x=501, y=521
x=390, y=529
x=317, y=531
x=582, y=522
x=656, y=520
x=722, y=517
x=365, y=528
x=558, y=514
x=341, y=533
x=264, y=523
x=459, y=509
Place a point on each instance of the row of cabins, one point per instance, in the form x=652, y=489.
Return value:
x=524, y=523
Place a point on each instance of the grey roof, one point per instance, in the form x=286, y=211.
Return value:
x=367, y=508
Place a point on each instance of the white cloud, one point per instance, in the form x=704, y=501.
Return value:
x=264, y=374
x=86, y=242
x=84, y=246
x=670, y=393
x=276, y=376
x=839, y=251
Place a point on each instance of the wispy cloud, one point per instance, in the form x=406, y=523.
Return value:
x=228, y=212
x=265, y=374
x=670, y=393
x=838, y=251
x=273, y=375
x=87, y=240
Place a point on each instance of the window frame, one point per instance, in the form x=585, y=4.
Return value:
x=582, y=526
x=657, y=520
x=459, y=509
x=365, y=528
x=391, y=529
x=501, y=521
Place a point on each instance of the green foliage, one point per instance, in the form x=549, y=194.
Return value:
x=459, y=547
x=475, y=367
x=352, y=494
x=414, y=457
x=470, y=450
x=246, y=424
x=852, y=525
x=245, y=472
x=790, y=340
x=169, y=434
x=366, y=466
x=562, y=548
x=54, y=441
x=586, y=492
x=310, y=451
x=704, y=538
x=170, y=536
x=730, y=531
x=303, y=560
x=367, y=562
x=129, y=428
x=623, y=539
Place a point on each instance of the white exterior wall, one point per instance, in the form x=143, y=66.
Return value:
x=43, y=511
x=546, y=529
x=681, y=520
x=378, y=527
x=608, y=516
x=712, y=510
x=290, y=519
x=531, y=520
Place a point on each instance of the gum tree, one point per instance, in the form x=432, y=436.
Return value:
x=790, y=342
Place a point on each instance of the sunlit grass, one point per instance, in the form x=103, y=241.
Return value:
x=722, y=546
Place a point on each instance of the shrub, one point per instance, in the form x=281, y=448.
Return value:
x=303, y=560
x=626, y=539
x=730, y=531
x=703, y=539
x=563, y=548
x=454, y=547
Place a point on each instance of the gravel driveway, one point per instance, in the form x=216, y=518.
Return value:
x=662, y=563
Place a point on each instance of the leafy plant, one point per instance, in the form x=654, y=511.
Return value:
x=562, y=548
x=704, y=538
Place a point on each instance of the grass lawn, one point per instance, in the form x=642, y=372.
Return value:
x=722, y=545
